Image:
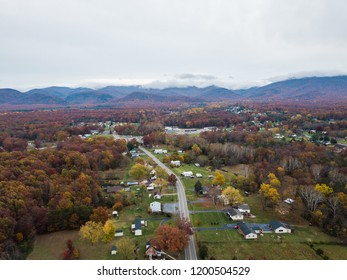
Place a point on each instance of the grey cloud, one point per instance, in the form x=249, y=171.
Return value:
x=68, y=42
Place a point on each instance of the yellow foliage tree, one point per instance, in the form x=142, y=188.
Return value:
x=196, y=150
x=109, y=230
x=218, y=179
x=343, y=199
x=324, y=189
x=138, y=171
x=233, y=195
x=274, y=181
x=167, y=159
x=125, y=247
x=269, y=193
x=161, y=183
x=92, y=231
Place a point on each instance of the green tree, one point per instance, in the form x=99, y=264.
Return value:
x=198, y=187
x=203, y=251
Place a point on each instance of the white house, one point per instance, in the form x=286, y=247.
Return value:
x=136, y=227
x=246, y=231
x=153, y=185
x=115, y=213
x=234, y=214
x=222, y=198
x=197, y=164
x=279, y=227
x=198, y=175
x=155, y=207
x=150, y=188
x=160, y=151
x=176, y=163
x=119, y=232
x=187, y=174
x=244, y=208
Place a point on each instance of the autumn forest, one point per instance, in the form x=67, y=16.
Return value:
x=54, y=164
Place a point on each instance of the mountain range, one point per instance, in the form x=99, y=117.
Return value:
x=311, y=89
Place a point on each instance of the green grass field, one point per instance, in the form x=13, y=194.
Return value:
x=51, y=246
x=227, y=244
x=209, y=220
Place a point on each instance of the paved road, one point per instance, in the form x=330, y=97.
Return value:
x=190, y=252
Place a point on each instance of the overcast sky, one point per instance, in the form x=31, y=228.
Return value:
x=231, y=43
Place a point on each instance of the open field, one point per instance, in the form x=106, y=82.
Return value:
x=228, y=244
x=268, y=214
x=51, y=246
x=209, y=220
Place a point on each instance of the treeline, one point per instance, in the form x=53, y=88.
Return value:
x=50, y=190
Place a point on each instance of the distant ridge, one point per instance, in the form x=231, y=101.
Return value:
x=310, y=89
x=303, y=89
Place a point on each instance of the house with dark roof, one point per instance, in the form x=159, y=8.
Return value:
x=136, y=227
x=247, y=231
x=204, y=190
x=244, y=208
x=118, y=233
x=280, y=227
x=234, y=214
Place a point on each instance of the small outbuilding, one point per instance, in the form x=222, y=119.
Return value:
x=176, y=163
x=114, y=213
x=119, y=233
x=114, y=250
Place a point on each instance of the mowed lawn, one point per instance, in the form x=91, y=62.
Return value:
x=228, y=244
x=209, y=220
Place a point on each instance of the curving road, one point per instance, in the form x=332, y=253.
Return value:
x=190, y=252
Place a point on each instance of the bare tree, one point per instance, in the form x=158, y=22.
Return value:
x=333, y=203
x=317, y=171
x=311, y=197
